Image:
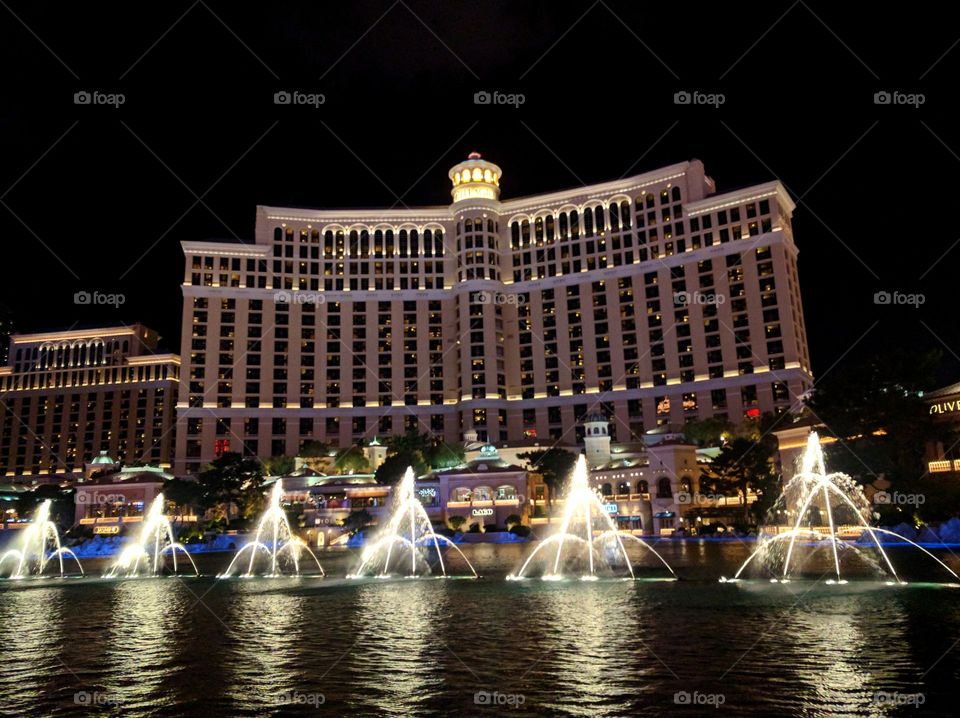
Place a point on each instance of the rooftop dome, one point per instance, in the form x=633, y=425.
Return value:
x=103, y=459
x=595, y=417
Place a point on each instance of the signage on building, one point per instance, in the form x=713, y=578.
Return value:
x=106, y=530
x=945, y=407
x=428, y=492
x=481, y=512
x=611, y=508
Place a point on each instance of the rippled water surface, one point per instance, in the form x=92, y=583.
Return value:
x=427, y=647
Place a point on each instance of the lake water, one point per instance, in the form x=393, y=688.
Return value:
x=199, y=646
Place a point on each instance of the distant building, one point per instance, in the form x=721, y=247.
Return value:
x=66, y=395
x=651, y=298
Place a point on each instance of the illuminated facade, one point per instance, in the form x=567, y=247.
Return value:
x=652, y=299
x=67, y=396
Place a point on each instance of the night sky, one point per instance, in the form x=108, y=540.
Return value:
x=100, y=197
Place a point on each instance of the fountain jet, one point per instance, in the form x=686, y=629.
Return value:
x=407, y=531
x=587, y=537
x=38, y=545
x=146, y=555
x=276, y=540
x=813, y=488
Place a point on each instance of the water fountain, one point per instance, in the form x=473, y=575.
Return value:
x=836, y=496
x=146, y=555
x=588, y=544
x=39, y=544
x=407, y=531
x=276, y=540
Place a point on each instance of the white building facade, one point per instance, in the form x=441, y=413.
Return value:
x=651, y=299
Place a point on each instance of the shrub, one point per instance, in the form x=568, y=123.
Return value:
x=457, y=522
x=520, y=530
x=513, y=520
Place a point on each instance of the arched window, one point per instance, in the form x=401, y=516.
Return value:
x=515, y=235
x=483, y=493
x=389, y=244
x=427, y=243
x=414, y=243
x=550, y=228
x=675, y=193
x=643, y=487
x=506, y=491
x=664, y=491
x=686, y=485
x=614, y=216
x=438, y=243
x=588, y=222
x=468, y=225
x=625, y=215
x=525, y=231
x=606, y=490
x=277, y=234
x=364, y=244
x=623, y=488
x=564, y=226
x=574, y=224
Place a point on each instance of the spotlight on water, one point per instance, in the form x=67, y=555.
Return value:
x=815, y=492
x=403, y=544
x=147, y=554
x=274, y=548
x=37, y=546
x=587, y=544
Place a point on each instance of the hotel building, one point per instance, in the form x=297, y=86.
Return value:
x=651, y=299
x=66, y=396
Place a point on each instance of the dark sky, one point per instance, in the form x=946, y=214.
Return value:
x=100, y=197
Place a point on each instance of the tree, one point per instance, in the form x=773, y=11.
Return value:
x=61, y=502
x=556, y=466
x=356, y=520
x=744, y=464
x=874, y=406
x=440, y=455
x=512, y=520
x=708, y=432
x=279, y=465
x=393, y=468
x=232, y=479
x=457, y=522
x=183, y=492
x=313, y=449
x=351, y=461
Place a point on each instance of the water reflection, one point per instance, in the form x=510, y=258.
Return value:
x=395, y=654
x=590, y=632
x=32, y=621
x=268, y=631
x=142, y=652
